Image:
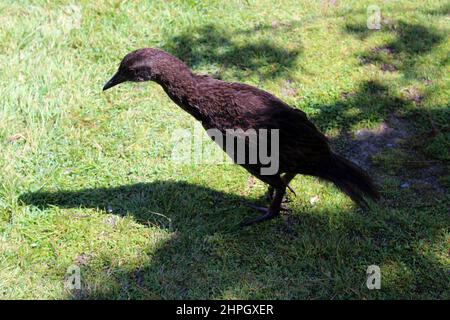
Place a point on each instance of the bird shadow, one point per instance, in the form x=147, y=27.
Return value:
x=209, y=256
x=164, y=204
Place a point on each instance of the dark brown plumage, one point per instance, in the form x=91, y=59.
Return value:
x=224, y=105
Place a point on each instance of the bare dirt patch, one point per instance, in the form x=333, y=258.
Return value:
x=287, y=90
x=385, y=49
x=413, y=94
x=391, y=137
x=82, y=259
x=386, y=67
x=371, y=141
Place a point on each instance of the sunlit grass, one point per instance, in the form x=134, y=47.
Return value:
x=86, y=177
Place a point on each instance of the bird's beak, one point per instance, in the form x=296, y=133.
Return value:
x=115, y=80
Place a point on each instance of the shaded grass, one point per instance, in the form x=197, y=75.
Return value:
x=87, y=179
x=207, y=254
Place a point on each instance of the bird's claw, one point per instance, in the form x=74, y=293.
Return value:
x=267, y=214
x=264, y=209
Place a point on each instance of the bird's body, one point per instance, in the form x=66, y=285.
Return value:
x=221, y=106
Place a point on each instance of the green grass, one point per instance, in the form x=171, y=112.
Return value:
x=87, y=179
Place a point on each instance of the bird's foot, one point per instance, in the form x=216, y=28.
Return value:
x=267, y=214
x=264, y=209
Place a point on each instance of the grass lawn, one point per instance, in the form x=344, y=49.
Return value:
x=87, y=178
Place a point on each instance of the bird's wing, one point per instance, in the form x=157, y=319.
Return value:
x=300, y=140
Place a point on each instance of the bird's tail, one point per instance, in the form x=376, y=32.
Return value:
x=351, y=179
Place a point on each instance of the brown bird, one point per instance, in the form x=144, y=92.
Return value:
x=221, y=106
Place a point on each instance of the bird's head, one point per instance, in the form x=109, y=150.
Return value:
x=137, y=66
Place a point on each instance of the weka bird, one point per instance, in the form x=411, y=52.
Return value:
x=224, y=105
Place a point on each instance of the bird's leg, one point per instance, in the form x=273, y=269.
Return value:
x=270, y=192
x=273, y=210
x=286, y=179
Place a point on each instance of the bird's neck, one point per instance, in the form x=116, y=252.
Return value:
x=180, y=84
